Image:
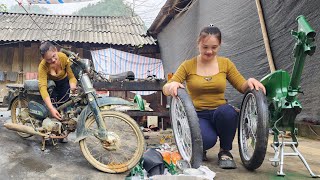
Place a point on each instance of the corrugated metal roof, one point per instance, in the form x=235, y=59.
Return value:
x=88, y=29
x=167, y=13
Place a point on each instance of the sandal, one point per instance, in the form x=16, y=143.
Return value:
x=226, y=160
x=154, y=128
x=204, y=156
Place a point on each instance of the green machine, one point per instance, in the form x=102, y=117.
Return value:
x=277, y=110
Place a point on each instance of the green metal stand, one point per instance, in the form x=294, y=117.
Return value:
x=282, y=91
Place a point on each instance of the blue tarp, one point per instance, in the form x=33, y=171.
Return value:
x=111, y=61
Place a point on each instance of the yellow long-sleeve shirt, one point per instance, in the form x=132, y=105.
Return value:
x=44, y=74
x=208, y=94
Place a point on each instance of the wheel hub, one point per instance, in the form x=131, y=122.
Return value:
x=112, y=142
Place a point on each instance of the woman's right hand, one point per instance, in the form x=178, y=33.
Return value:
x=173, y=88
x=55, y=113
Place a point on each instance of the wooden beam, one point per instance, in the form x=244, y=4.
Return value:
x=154, y=85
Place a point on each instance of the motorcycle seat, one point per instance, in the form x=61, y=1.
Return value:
x=33, y=85
x=14, y=86
x=122, y=76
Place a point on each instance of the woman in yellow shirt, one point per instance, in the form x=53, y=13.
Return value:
x=55, y=66
x=206, y=76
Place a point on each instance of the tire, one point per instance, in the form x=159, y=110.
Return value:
x=16, y=113
x=186, y=129
x=253, y=125
x=129, y=148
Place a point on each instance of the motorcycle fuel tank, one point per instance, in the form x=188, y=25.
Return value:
x=38, y=110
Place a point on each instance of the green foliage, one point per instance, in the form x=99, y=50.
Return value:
x=33, y=9
x=106, y=8
x=3, y=8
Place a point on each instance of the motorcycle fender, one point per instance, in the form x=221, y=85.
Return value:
x=12, y=95
x=82, y=131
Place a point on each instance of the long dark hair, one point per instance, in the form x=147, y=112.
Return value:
x=209, y=30
x=46, y=46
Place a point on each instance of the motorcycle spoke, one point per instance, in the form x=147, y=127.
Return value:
x=182, y=133
x=98, y=153
x=249, y=129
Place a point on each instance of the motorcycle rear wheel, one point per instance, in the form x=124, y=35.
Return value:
x=18, y=106
x=129, y=149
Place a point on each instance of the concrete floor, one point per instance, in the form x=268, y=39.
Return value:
x=293, y=166
x=23, y=159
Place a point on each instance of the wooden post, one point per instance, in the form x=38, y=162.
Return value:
x=21, y=58
x=265, y=36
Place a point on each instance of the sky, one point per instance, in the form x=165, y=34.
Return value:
x=146, y=9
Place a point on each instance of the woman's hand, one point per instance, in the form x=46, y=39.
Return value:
x=172, y=88
x=73, y=88
x=55, y=113
x=255, y=84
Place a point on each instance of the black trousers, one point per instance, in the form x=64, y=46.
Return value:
x=60, y=93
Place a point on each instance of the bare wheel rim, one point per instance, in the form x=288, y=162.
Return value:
x=129, y=148
x=181, y=129
x=248, y=127
x=18, y=106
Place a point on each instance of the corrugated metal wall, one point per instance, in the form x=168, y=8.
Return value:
x=242, y=41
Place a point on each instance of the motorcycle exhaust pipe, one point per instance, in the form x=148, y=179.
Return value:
x=24, y=129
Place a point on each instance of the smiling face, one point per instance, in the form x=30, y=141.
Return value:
x=208, y=47
x=51, y=56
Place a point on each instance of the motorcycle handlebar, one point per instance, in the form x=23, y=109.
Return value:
x=68, y=53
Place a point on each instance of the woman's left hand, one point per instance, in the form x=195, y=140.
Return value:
x=255, y=84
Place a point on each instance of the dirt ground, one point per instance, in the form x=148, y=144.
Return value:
x=23, y=159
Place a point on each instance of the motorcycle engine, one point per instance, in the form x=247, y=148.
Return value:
x=52, y=125
x=37, y=110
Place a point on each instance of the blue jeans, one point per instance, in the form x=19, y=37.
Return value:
x=221, y=122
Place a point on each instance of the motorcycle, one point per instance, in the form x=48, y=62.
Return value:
x=110, y=140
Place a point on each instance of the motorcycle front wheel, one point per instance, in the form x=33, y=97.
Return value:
x=253, y=129
x=19, y=112
x=124, y=154
x=186, y=129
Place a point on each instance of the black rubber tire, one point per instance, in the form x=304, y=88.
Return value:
x=259, y=152
x=193, y=123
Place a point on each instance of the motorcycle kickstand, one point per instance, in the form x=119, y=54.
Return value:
x=43, y=144
x=53, y=142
